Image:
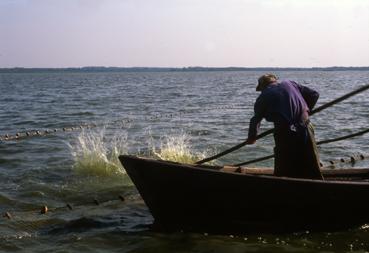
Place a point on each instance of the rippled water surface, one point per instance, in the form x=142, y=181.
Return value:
x=180, y=116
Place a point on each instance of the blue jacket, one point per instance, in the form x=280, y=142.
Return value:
x=285, y=103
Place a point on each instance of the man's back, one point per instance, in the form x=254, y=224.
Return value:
x=283, y=103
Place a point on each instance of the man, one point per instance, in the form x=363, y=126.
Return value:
x=287, y=104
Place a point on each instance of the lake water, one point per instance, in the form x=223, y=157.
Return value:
x=180, y=116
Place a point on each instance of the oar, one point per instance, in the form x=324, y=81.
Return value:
x=318, y=109
x=318, y=143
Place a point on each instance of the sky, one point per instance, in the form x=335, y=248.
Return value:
x=183, y=33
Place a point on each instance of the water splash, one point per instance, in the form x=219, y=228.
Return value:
x=177, y=148
x=95, y=155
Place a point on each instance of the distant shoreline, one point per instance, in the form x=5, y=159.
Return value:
x=185, y=69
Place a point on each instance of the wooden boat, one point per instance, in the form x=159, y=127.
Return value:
x=229, y=199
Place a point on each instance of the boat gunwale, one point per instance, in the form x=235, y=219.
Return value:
x=268, y=177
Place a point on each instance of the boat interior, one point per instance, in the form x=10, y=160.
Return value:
x=350, y=174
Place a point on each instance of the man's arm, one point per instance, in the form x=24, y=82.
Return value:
x=253, y=129
x=259, y=111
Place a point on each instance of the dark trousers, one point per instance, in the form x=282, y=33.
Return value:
x=296, y=154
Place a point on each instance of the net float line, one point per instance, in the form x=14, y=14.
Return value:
x=40, y=133
x=153, y=117
x=45, y=209
x=349, y=159
x=26, y=223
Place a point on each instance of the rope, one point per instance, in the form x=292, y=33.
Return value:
x=318, y=143
x=344, y=137
x=318, y=109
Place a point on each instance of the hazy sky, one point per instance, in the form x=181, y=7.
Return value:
x=178, y=33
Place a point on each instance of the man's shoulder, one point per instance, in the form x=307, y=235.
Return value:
x=269, y=92
x=289, y=85
x=287, y=82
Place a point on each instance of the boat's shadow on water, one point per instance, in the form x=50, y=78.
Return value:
x=129, y=220
x=139, y=224
x=272, y=229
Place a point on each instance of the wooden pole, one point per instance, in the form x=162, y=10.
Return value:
x=318, y=109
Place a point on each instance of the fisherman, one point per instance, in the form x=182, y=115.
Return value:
x=287, y=104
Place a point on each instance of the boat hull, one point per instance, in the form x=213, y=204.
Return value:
x=187, y=197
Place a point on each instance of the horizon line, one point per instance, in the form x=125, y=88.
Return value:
x=184, y=67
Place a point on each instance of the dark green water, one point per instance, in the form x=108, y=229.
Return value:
x=170, y=114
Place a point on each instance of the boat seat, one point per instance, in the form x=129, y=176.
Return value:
x=248, y=170
x=230, y=169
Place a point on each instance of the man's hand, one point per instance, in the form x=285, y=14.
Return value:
x=250, y=141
